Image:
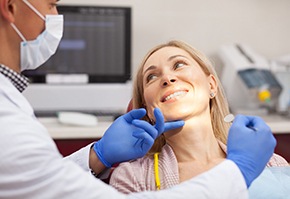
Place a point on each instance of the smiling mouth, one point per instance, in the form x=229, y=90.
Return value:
x=173, y=95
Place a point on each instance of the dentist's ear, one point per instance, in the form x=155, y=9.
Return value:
x=7, y=10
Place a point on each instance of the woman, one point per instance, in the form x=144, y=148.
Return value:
x=181, y=82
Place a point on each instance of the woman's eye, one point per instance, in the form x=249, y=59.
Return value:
x=179, y=64
x=150, y=77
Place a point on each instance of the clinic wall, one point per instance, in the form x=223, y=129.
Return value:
x=207, y=24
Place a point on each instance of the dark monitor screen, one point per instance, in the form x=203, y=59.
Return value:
x=96, y=43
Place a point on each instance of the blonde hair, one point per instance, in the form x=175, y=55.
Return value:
x=218, y=105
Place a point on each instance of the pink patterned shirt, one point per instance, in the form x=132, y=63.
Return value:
x=138, y=175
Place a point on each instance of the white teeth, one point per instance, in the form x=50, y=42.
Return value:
x=174, y=95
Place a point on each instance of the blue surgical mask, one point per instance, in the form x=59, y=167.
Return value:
x=35, y=52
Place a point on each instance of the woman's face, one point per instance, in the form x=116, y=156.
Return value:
x=174, y=82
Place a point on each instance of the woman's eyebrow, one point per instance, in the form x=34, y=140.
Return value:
x=169, y=59
x=149, y=68
x=174, y=56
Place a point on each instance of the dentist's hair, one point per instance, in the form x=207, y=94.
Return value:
x=218, y=105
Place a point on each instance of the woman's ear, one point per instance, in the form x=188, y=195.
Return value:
x=7, y=10
x=213, y=87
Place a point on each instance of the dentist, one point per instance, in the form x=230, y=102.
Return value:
x=31, y=166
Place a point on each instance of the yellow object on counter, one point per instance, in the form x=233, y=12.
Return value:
x=264, y=95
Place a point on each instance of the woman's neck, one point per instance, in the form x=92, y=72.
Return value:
x=195, y=142
x=195, y=147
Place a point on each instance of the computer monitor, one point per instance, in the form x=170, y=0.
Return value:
x=91, y=69
x=96, y=46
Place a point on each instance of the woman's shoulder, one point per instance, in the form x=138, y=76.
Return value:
x=277, y=160
x=129, y=177
x=167, y=158
x=135, y=166
x=138, y=175
x=146, y=163
x=133, y=176
x=142, y=164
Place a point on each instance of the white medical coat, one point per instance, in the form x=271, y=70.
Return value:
x=32, y=168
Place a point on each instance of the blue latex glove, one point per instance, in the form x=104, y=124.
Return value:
x=250, y=145
x=131, y=138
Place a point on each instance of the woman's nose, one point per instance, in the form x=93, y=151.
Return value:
x=168, y=80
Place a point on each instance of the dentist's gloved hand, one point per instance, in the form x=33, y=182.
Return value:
x=250, y=145
x=130, y=138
